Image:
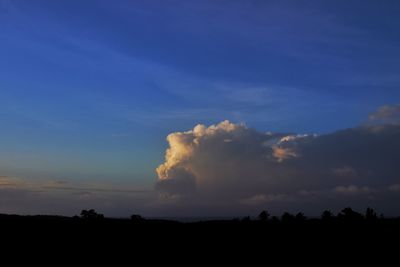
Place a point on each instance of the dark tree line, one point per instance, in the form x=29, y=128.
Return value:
x=94, y=215
x=91, y=214
x=347, y=214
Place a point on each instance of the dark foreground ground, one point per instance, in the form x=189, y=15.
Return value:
x=163, y=234
x=60, y=241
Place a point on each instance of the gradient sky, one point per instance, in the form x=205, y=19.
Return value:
x=90, y=89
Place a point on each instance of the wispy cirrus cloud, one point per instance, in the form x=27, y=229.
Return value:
x=387, y=114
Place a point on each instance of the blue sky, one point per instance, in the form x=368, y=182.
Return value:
x=90, y=89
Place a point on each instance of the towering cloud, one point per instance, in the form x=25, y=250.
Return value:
x=223, y=155
x=230, y=165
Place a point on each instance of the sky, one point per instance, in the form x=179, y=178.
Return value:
x=90, y=90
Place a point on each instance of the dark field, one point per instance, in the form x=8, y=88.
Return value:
x=228, y=240
x=320, y=230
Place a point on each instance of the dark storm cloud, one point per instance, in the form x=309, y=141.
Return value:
x=233, y=165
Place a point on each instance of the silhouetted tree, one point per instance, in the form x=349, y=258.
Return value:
x=300, y=217
x=274, y=219
x=327, y=215
x=287, y=217
x=246, y=219
x=91, y=214
x=370, y=214
x=264, y=216
x=350, y=215
x=137, y=218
